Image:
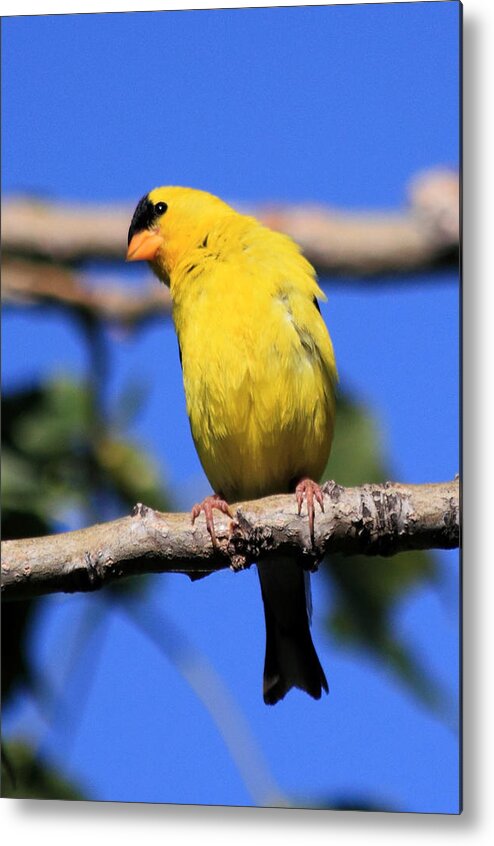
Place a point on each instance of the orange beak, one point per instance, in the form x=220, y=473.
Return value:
x=144, y=246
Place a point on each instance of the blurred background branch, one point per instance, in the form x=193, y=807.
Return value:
x=32, y=283
x=424, y=235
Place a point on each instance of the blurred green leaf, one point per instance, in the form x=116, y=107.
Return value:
x=26, y=777
x=55, y=458
x=57, y=422
x=54, y=461
x=16, y=668
x=16, y=616
x=368, y=589
x=131, y=473
x=356, y=455
x=44, y=449
x=20, y=485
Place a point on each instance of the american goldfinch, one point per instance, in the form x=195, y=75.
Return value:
x=259, y=375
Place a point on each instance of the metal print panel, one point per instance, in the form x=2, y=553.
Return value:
x=230, y=565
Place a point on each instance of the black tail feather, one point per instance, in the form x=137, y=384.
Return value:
x=291, y=659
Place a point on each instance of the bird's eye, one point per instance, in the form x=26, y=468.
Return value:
x=160, y=208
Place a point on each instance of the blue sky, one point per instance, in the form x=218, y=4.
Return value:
x=334, y=104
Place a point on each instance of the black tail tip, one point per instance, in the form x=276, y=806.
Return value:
x=275, y=689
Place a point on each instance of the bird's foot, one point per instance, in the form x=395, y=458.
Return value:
x=309, y=490
x=207, y=505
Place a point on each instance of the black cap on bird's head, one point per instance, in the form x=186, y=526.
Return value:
x=142, y=218
x=143, y=239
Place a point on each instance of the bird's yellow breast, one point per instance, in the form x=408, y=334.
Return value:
x=258, y=364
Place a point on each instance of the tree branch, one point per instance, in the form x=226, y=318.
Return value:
x=421, y=237
x=371, y=519
x=28, y=282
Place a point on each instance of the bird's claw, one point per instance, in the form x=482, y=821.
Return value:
x=207, y=505
x=309, y=490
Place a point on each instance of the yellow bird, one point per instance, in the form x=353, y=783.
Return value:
x=259, y=375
